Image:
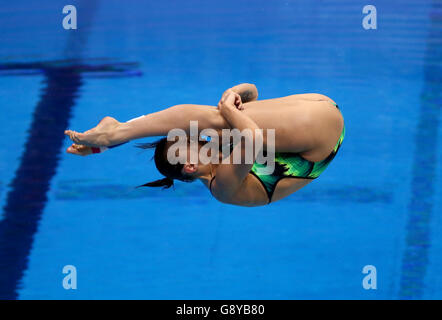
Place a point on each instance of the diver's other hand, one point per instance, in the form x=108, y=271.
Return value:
x=237, y=102
x=79, y=149
x=230, y=100
x=225, y=94
x=100, y=136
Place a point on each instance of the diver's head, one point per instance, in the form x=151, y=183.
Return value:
x=183, y=170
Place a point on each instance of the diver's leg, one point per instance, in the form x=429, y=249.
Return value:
x=176, y=117
x=287, y=100
x=111, y=132
x=312, y=97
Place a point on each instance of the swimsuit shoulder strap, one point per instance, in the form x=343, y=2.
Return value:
x=210, y=185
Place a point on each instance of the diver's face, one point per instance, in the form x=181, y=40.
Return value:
x=188, y=155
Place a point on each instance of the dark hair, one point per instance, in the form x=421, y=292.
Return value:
x=170, y=171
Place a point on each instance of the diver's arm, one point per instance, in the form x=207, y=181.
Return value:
x=229, y=176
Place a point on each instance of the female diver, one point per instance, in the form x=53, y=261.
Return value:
x=309, y=129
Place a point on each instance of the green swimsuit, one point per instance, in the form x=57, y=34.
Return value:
x=293, y=165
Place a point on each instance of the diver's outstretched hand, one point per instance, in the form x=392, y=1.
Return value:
x=100, y=136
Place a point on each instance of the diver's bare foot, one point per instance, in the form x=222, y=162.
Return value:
x=100, y=136
x=79, y=150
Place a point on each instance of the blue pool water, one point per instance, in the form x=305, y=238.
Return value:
x=378, y=203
